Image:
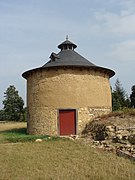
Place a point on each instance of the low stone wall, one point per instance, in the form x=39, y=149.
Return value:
x=118, y=134
x=114, y=137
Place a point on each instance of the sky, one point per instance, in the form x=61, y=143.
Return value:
x=30, y=30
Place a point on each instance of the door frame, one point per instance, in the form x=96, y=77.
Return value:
x=58, y=119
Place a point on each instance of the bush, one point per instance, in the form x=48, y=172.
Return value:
x=96, y=129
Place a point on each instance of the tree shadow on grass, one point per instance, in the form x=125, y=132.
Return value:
x=18, y=131
x=17, y=135
x=20, y=135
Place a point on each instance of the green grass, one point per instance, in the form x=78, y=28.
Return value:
x=16, y=135
x=63, y=159
x=20, y=135
x=60, y=159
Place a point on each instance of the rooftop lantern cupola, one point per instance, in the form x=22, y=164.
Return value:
x=66, y=45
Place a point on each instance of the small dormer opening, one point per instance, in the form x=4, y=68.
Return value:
x=54, y=56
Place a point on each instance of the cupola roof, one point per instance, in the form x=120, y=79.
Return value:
x=67, y=45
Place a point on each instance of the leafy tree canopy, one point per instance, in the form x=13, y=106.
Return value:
x=13, y=104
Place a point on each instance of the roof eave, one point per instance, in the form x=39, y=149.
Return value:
x=110, y=72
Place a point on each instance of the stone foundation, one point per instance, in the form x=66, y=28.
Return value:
x=46, y=120
x=86, y=115
x=43, y=121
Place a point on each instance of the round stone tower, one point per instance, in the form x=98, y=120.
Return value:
x=66, y=93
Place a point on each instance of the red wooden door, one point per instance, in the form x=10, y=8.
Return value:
x=67, y=122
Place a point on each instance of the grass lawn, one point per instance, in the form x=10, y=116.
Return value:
x=57, y=159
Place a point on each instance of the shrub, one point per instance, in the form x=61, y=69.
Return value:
x=96, y=129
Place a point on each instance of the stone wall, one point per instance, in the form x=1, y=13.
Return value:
x=49, y=90
x=85, y=115
x=42, y=120
x=116, y=134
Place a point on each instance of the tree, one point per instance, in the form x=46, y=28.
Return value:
x=132, y=96
x=2, y=115
x=13, y=104
x=119, y=97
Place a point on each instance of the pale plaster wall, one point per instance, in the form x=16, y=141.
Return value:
x=48, y=90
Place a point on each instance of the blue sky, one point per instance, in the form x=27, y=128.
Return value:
x=30, y=30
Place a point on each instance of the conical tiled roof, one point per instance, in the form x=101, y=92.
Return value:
x=67, y=57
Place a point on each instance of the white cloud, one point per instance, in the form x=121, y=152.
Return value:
x=123, y=51
x=116, y=24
